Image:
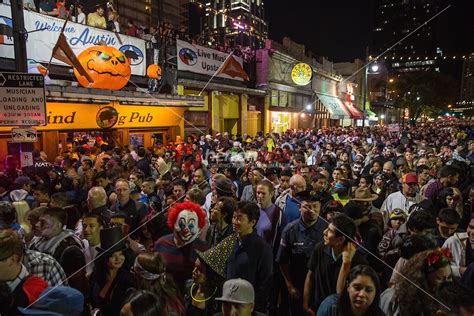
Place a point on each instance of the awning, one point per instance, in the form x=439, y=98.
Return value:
x=372, y=116
x=334, y=106
x=355, y=112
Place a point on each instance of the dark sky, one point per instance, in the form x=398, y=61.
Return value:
x=340, y=29
x=337, y=29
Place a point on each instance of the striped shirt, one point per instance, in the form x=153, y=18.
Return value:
x=179, y=261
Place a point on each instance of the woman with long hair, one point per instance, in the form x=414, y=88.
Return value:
x=111, y=277
x=150, y=272
x=141, y=303
x=423, y=275
x=361, y=295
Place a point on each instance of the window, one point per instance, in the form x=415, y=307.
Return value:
x=298, y=101
x=283, y=99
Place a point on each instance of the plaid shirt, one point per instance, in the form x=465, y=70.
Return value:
x=44, y=266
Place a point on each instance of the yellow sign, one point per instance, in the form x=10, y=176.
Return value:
x=301, y=74
x=73, y=116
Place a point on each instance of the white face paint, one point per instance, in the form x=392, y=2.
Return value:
x=186, y=226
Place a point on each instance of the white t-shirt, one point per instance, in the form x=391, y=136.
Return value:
x=81, y=18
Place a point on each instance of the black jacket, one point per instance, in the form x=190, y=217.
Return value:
x=252, y=260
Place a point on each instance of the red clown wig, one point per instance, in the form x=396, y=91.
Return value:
x=189, y=206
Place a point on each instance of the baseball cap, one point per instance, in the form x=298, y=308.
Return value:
x=410, y=178
x=397, y=213
x=238, y=291
x=60, y=300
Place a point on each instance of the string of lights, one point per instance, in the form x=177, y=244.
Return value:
x=437, y=57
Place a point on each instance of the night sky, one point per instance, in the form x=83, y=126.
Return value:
x=340, y=29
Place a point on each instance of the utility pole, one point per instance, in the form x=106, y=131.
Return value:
x=21, y=66
x=19, y=36
x=365, y=87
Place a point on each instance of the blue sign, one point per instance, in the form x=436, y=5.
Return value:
x=133, y=53
x=6, y=31
x=188, y=56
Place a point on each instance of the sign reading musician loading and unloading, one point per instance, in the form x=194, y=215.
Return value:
x=22, y=99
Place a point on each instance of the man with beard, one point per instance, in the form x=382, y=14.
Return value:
x=405, y=198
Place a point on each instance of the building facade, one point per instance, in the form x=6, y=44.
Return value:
x=235, y=22
x=292, y=104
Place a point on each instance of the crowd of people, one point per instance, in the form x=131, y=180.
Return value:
x=335, y=221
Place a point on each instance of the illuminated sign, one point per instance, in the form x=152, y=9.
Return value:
x=301, y=74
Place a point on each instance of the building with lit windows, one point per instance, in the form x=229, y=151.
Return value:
x=235, y=22
x=396, y=19
x=467, y=86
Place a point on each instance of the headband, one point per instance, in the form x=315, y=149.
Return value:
x=144, y=274
x=437, y=258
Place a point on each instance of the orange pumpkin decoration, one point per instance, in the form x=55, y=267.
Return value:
x=154, y=71
x=107, y=66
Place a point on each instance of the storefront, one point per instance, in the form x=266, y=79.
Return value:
x=126, y=120
x=221, y=79
x=336, y=109
x=226, y=108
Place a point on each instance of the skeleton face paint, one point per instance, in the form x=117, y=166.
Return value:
x=186, y=227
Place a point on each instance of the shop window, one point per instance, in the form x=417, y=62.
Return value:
x=283, y=99
x=306, y=101
x=136, y=139
x=195, y=118
x=291, y=100
x=298, y=102
x=274, y=100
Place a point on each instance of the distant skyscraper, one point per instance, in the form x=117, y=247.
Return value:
x=172, y=11
x=240, y=22
x=467, y=88
x=395, y=19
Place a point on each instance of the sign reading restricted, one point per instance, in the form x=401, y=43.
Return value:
x=22, y=99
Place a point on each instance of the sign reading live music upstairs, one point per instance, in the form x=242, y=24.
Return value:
x=203, y=60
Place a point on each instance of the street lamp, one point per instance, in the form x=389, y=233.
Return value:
x=308, y=107
x=373, y=69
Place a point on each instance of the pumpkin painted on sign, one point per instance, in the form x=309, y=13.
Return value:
x=154, y=72
x=107, y=66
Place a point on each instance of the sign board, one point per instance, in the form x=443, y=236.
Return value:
x=26, y=159
x=301, y=74
x=44, y=32
x=22, y=99
x=202, y=60
x=24, y=135
x=395, y=128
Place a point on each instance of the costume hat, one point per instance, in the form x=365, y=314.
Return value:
x=112, y=240
x=216, y=257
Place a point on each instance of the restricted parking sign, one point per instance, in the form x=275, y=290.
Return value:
x=22, y=99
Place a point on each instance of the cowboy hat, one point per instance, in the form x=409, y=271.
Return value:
x=364, y=195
